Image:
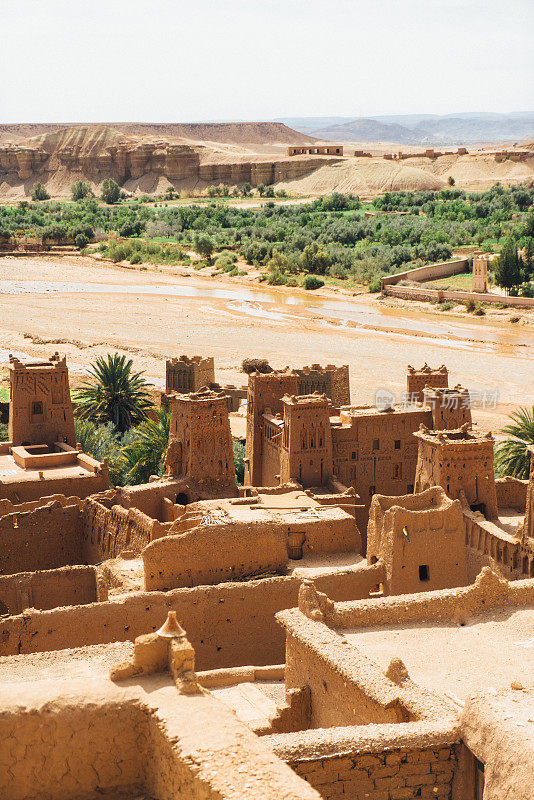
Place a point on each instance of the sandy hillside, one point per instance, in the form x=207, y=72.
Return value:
x=231, y=132
x=371, y=176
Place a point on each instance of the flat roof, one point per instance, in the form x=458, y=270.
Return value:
x=489, y=651
x=11, y=472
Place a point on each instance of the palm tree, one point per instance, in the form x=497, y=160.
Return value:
x=101, y=441
x=511, y=455
x=114, y=394
x=145, y=454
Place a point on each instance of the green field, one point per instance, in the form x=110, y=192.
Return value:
x=464, y=281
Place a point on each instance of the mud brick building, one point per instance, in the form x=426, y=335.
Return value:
x=305, y=438
x=200, y=444
x=461, y=461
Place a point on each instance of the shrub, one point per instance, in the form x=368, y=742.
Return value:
x=311, y=282
x=135, y=258
x=276, y=278
x=249, y=365
x=479, y=311
x=470, y=305
x=375, y=286
x=446, y=306
x=39, y=192
x=81, y=241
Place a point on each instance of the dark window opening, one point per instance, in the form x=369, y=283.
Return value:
x=376, y=444
x=353, y=456
x=397, y=444
x=424, y=574
x=182, y=499
x=37, y=407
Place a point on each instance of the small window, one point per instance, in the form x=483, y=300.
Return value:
x=424, y=574
x=353, y=456
x=372, y=490
x=376, y=444
x=37, y=407
x=397, y=444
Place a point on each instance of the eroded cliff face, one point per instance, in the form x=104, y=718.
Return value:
x=116, y=157
x=94, y=154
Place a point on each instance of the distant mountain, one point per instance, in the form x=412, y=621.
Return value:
x=420, y=129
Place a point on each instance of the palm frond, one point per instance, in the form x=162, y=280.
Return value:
x=511, y=455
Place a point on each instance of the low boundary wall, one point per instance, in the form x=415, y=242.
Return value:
x=438, y=295
x=427, y=273
x=231, y=624
x=46, y=589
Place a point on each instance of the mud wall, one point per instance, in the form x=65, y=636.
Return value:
x=67, y=586
x=43, y=539
x=107, y=532
x=427, y=273
x=76, y=752
x=229, y=625
x=438, y=295
x=511, y=493
x=29, y=490
x=212, y=554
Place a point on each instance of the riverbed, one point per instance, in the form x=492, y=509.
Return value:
x=95, y=307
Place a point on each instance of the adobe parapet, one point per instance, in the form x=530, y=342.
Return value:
x=451, y=408
x=418, y=379
x=306, y=400
x=189, y=374
x=456, y=439
x=330, y=380
x=461, y=461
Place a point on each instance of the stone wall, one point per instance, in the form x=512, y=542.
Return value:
x=382, y=774
x=46, y=538
x=44, y=589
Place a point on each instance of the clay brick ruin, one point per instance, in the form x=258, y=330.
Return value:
x=316, y=150
x=353, y=622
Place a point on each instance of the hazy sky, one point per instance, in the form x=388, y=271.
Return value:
x=175, y=61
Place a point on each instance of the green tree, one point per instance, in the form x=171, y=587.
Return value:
x=261, y=189
x=39, y=192
x=203, y=245
x=114, y=394
x=508, y=267
x=144, y=455
x=80, y=190
x=511, y=455
x=246, y=189
x=111, y=192
x=314, y=259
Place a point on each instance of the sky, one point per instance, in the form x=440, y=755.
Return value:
x=175, y=61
